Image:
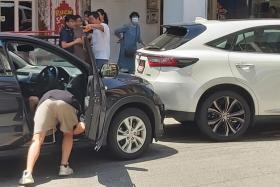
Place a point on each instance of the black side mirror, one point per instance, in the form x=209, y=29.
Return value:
x=109, y=70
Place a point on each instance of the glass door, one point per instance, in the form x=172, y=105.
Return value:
x=17, y=15
x=7, y=16
x=25, y=15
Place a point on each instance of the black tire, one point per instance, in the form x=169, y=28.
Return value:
x=113, y=131
x=206, y=116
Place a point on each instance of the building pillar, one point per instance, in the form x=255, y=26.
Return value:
x=212, y=9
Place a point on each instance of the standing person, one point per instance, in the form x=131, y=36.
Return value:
x=129, y=35
x=103, y=16
x=78, y=33
x=56, y=106
x=86, y=17
x=100, y=39
x=66, y=38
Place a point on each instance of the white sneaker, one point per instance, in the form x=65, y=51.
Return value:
x=65, y=171
x=26, y=178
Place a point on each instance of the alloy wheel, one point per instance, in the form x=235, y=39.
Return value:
x=226, y=116
x=131, y=134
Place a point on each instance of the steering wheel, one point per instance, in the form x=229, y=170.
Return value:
x=48, y=79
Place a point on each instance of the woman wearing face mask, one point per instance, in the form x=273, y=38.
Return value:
x=129, y=35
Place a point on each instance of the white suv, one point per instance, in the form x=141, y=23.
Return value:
x=221, y=74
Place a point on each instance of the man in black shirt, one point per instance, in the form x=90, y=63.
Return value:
x=66, y=38
x=55, y=107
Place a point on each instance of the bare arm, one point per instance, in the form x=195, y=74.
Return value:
x=118, y=32
x=66, y=45
x=95, y=26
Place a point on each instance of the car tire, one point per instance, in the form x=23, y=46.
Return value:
x=119, y=135
x=224, y=116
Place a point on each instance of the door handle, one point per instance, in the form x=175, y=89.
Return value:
x=244, y=66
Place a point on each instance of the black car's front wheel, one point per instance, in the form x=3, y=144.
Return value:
x=130, y=134
x=224, y=116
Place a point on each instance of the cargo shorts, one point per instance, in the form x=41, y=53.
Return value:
x=50, y=113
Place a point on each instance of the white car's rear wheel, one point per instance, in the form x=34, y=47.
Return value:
x=224, y=116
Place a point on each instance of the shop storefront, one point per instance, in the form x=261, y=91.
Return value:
x=37, y=15
x=18, y=15
x=243, y=9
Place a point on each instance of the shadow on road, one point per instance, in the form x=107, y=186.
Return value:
x=86, y=163
x=190, y=133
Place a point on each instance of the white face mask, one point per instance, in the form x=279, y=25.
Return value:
x=135, y=20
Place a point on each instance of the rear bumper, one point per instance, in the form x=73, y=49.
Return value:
x=176, y=96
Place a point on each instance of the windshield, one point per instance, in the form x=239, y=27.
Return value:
x=25, y=54
x=176, y=36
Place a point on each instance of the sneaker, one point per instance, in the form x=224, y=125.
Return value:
x=26, y=178
x=65, y=170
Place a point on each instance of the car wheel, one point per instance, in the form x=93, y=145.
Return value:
x=224, y=116
x=130, y=134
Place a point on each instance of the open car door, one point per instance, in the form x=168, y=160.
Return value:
x=95, y=104
x=14, y=129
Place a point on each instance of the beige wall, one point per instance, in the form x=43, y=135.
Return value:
x=118, y=12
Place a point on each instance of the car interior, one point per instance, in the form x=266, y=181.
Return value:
x=39, y=71
x=260, y=40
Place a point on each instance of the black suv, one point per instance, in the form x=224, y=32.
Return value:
x=121, y=111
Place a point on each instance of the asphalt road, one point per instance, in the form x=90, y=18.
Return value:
x=183, y=157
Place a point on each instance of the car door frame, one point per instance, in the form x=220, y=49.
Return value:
x=22, y=131
x=96, y=112
x=83, y=66
x=248, y=66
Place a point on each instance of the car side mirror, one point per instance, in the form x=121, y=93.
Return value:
x=109, y=70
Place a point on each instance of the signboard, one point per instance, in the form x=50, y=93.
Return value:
x=60, y=12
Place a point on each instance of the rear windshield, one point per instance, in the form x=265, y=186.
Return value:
x=175, y=36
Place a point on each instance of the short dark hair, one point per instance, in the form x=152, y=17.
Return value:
x=134, y=14
x=67, y=18
x=102, y=12
x=77, y=17
x=86, y=13
x=95, y=14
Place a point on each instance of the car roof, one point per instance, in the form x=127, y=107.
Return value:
x=249, y=22
x=217, y=29
x=264, y=21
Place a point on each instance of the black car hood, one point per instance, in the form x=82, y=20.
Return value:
x=124, y=79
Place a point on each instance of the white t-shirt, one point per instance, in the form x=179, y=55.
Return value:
x=101, y=43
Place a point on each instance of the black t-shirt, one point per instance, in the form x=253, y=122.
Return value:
x=67, y=35
x=63, y=96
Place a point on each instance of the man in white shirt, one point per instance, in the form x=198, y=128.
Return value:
x=100, y=39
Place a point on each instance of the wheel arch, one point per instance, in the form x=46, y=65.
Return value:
x=231, y=87
x=139, y=102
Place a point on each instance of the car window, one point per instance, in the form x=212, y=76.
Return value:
x=261, y=40
x=176, y=36
x=37, y=56
x=222, y=43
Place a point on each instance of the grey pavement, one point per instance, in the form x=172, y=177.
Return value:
x=183, y=157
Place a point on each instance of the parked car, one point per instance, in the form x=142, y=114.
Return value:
x=121, y=111
x=221, y=74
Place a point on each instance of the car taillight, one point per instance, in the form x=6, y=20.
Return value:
x=159, y=61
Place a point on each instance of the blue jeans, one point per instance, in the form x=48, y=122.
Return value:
x=101, y=62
